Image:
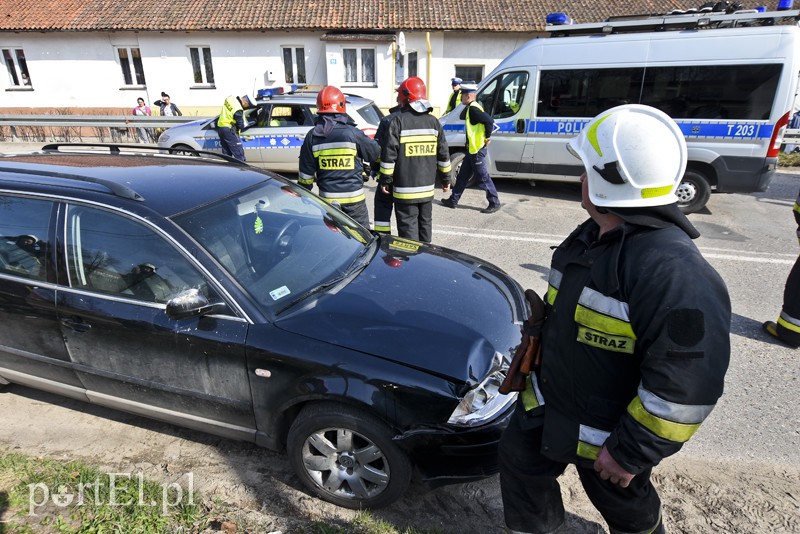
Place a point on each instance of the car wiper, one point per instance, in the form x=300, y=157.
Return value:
x=357, y=261
x=314, y=291
x=355, y=266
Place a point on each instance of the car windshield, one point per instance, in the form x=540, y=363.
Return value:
x=278, y=241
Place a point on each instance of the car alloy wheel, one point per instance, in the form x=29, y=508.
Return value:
x=345, y=455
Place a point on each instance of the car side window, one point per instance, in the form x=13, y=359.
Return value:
x=110, y=253
x=24, y=224
x=283, y=116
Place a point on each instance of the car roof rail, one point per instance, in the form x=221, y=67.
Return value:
x=115, y=149
x=116, y=188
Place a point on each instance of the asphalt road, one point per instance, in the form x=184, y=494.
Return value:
x=749, y=239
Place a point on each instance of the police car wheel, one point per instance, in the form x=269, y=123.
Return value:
x=345, y=455
x=183, y=150
x=693, y=192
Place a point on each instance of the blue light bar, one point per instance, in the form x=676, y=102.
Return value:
x=558, y=19
x=269, y=92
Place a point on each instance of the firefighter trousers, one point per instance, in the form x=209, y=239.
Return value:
x=383, y=211
x=789, y=320
x=532, y=496
x=415, y=221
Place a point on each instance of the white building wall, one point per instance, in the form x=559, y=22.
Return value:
x=81, y=69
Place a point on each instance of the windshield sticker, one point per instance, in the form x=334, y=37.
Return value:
x=259, y=225
x=279, y=293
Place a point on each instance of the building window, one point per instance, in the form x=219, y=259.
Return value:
x=472, y=74
x=17, y=67
x=359, y=65
x=130, y=60
x=412, y=64
x=201, y=65
x=294, y=65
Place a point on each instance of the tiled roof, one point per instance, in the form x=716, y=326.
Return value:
x=328, y=15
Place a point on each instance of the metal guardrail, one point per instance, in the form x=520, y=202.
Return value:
x=102, y=121
x=791, y=136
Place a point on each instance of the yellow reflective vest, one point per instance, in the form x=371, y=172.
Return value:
x=229, y=109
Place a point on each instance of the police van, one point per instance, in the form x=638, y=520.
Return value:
x=728, y=79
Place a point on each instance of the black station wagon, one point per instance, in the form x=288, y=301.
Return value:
x=216, y=296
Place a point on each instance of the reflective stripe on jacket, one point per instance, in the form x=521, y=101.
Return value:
x=413, y=152
x=337, y=162
x=633, y=354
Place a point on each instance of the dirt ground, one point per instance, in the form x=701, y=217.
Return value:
x=262, y=494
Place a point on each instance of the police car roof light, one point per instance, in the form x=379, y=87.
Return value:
x=558, y=19
x=269, y=92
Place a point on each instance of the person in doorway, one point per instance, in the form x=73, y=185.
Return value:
x=479, y=126
x=787, y=327
x=231, y=123
x=167, y=108
x=632, y=359
x=142, y=110
x=455, y=96
x=413, y=153
x=334, y=152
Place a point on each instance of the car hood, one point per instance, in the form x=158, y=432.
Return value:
x=423, y=306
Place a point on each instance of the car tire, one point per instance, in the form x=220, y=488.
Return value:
x=345, y=455
x=183, y=150
x=693, y=192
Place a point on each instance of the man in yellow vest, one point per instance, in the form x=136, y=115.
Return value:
x=455, y=97
x=479, y=126
x=231, y=122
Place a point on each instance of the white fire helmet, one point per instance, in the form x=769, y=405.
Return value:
x=634, y=155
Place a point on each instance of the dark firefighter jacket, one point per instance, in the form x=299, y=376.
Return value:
x=414, y=150
x=335, y=150
x=635, y=345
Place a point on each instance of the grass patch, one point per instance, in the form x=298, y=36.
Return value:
x=39, y=495
x=788, y=160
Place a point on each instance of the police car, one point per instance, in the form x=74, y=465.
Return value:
x=283, y=117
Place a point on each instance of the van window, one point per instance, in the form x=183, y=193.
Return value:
x=503, y=96
x=587, y=92
x=742, y=92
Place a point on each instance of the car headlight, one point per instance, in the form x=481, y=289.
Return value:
x=163, y=138
x=483, y=402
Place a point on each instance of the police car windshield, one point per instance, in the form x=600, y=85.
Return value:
x=277, y=240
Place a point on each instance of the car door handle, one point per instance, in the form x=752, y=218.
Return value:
x=300, y=136
x=76, y=324
x=520, y=125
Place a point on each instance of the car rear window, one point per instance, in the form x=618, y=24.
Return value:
x=371, y=113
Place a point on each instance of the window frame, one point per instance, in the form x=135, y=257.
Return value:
x=359, y=64
x=298, y=70
x=17, y=70
x=205, y=66
x=129, y=67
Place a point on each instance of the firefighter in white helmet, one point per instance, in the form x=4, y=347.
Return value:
x=635, y=344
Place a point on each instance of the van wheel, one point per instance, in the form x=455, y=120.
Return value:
x=346, y=456
x=693, y=192
x=456, y=161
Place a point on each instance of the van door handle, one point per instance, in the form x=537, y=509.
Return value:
x=76, y=324
x=520, y=126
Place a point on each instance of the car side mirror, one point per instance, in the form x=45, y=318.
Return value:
x=192, y=303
